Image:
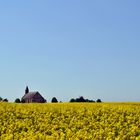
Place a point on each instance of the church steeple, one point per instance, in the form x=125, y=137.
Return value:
x=26, y=90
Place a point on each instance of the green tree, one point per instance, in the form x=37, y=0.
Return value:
x=22, y=101
x=17, y=100
x=5, y=100
x=98, y=101
x=54, y=100
x=72, y=100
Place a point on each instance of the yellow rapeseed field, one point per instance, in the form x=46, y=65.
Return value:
x=70, y=121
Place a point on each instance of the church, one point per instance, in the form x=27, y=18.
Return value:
x=32, y=97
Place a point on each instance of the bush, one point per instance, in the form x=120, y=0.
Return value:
x=17, y=100
x=45, y=101
x=54, y=100
x=5, y=100
x=72, y=100
x=98, y=101
x=22, y=101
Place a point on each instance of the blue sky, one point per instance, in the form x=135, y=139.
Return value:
x=70, y=48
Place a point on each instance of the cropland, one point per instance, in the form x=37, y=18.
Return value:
x=70, y=121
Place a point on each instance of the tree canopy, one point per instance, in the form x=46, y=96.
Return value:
x=54, y=100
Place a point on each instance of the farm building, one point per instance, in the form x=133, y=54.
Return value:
x=32, y=97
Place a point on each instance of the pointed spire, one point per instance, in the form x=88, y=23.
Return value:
x=26, y=90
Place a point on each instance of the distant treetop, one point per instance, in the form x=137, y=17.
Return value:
x=54, y=100
x=81, y=99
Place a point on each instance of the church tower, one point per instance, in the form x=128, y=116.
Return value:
x=26, y=90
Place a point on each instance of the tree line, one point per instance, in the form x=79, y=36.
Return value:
x=81, y=99
x=3, y=100
x=54, y=100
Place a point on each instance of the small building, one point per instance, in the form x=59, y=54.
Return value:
x=32, y=97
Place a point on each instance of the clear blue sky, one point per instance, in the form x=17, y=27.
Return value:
x=72, y=48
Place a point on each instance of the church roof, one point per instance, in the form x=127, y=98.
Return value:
x=30, y=95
